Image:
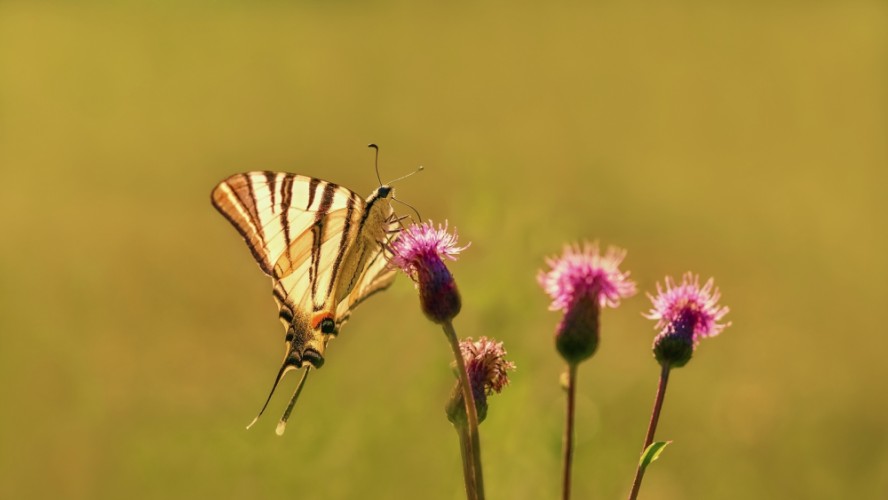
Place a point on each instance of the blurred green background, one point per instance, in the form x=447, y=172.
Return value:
x=745, y=141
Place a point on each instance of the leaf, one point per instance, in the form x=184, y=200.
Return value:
x=652, y=453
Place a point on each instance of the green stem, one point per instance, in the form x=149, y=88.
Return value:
x=567, y=445
x=652, y=427
x=471, y=412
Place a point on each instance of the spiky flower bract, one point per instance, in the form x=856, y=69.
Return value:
x=580, y=282
x=685, y=313
x=488, y=369
x=419, y=251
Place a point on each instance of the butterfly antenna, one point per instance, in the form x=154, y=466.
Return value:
x=284, y=368
x=376, y=161
x=282, y=424
x=418, y=170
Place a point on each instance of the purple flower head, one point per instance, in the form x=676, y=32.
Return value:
x=581, y=282
x=488, y=369
x=582, y=271
x=486, y=364
x=419, y=251
x=685, y=314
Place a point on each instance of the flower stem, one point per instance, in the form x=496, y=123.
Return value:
x=465, y=449
x=652, y=427
x=471, y=412
x=569, y=429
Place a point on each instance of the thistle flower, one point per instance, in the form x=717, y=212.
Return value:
x=580, y=283
x=419, y=251
x=685, y=314
x=487, y=367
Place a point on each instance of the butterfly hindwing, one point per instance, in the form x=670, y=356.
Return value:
x=311, y=268
x=377, y=276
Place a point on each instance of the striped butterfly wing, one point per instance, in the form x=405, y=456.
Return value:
x=350, y=269
x=271, y=209
x=377, y=276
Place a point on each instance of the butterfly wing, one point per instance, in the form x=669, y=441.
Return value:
x=313, y=270
x=271, y=209
x=378, y=275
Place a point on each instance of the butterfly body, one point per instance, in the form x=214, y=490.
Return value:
x=323, y=246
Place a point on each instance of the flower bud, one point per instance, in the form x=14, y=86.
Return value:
x=456, y=406
x=438, y=295
x=576, y=337
x=673, y=350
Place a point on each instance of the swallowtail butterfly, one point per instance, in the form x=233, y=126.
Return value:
x=324, y=248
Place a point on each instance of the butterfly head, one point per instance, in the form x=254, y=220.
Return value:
x=384, y=191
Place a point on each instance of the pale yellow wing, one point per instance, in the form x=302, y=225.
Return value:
x=377, y=275
x=271, y=209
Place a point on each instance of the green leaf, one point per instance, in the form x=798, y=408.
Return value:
x=652, y=453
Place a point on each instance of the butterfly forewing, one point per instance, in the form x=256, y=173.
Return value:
x=271, y=209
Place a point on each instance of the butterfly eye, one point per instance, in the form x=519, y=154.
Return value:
x=328, y=326
x=384, y=191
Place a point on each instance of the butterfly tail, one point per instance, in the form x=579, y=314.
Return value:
x=289, y=364
x=282, y=423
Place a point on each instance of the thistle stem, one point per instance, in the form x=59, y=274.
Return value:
x=652, y=427
x=567, y=445
x=465, y=449
x=471, y=412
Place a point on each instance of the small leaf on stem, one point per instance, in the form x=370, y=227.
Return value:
x=652, y=453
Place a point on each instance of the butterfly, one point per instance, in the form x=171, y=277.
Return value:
x=324, y=247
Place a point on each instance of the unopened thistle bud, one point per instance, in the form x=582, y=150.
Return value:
x=419, y=251
x=576, y=336
x=488, y=369
x=685, y=314
x=581, y=282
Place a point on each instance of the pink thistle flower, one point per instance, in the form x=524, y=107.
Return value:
x=685, y=314
x=419, y=251
x=690, y=305
x=584, y=272
x=580, y=283
x=488, y=369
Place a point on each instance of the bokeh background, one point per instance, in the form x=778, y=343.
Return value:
x=741, y=140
